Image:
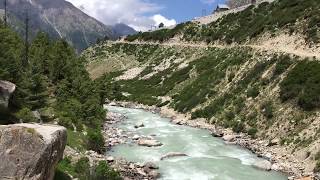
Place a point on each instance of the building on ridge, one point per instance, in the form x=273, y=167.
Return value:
x=221, y=8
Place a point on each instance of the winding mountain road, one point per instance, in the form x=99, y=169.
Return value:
x=272, y=47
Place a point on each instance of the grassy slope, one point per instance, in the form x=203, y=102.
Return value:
x=293, y=16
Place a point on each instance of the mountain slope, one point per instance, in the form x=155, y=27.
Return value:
x=60, y=19
x=255, y=72
x=121, y=29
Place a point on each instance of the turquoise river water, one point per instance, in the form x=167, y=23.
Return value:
x=208, y=158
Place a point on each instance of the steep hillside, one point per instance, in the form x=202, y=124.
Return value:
x=267, y=20
x=121, y=29
x=60, y=19
x=254, y=72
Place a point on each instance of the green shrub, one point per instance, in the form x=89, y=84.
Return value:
x=77, y=140
x=303, y=85
x=317, y=168
x=82, y=167
x=283, y=63
x=252, y=132
x=60, y=175
x=253, y=92
x=96, y=140
x=238, y=127
x=103, y=171
x=64, y=168
x=82, y=170
x=26, y=115
x=267, y=109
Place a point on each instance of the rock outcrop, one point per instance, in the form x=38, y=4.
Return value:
x=6, y=89
x=30, y=151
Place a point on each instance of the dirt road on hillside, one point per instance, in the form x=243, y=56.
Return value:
x=292, y=47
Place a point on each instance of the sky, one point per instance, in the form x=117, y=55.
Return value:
x=142, y=14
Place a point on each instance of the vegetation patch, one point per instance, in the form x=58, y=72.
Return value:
x=303, y=85
x=291, y=15
x=83, y=171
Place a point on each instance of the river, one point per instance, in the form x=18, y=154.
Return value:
x=208, y=157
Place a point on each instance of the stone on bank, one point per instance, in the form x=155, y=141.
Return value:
x=30, y=151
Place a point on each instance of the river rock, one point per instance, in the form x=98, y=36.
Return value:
x=173, y=154
x=135, y=137
x=151, y=165
x=112, y=104
x=139, y=125
x=264, y=165
x=110, y=159
x=154, y=174
x=267, y=156
x=274, y=142
x=217, y=134
x=30, y=151
x=228, y=138
x=149, y=143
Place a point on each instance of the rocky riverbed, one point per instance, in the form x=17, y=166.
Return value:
x=115, y=136
x=276, y=157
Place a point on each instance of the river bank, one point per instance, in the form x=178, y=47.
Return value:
x=278, y=157
x=114, y=136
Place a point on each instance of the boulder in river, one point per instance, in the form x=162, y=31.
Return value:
x=151, y=165
x=217, y=134
x=228, y=138
x=139, y=125
x=149, y=143
x=154, y=174
x=110, y=159
x=136, y=137
x=173, y=154
x=263, y=165
x=30, y=151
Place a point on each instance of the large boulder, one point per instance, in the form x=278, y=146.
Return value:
x=6, y=89
x=263, y=165
x=30, y=151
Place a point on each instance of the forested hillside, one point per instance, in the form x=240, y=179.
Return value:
x=59, y=19
x=53, y=82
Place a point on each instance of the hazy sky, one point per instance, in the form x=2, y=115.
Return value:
x=142, y=14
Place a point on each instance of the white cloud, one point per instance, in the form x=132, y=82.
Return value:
x=158, y=18
x=139, y=14
x=208, y=1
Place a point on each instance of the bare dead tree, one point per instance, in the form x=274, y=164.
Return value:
x=5, y=13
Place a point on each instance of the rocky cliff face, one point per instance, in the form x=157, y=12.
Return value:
x=30, y=151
